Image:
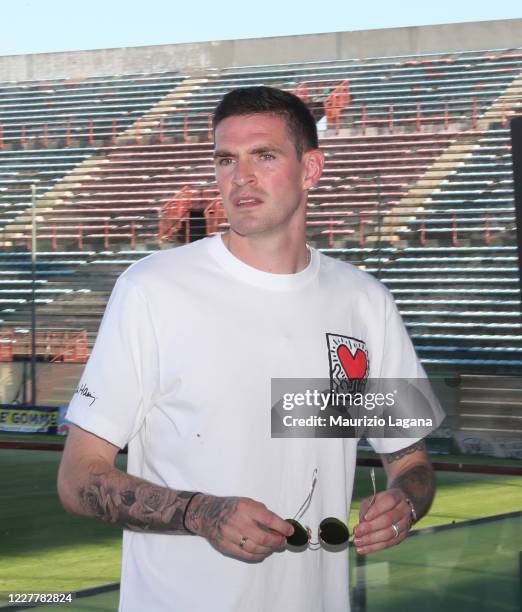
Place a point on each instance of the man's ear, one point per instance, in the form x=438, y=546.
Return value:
x=314, y=164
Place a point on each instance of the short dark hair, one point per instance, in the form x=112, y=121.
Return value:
x=262, y=99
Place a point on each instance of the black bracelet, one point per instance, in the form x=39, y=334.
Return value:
x=185, y=512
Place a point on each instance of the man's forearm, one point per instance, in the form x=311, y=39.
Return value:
x=90, y=485
x=116, y=497
x=418, y=483
x=416, y=480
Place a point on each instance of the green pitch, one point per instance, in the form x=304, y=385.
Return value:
x=43, y=549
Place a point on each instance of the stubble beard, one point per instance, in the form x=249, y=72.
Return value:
x=252, y=225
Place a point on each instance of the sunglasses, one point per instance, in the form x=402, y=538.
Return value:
x=332, y=531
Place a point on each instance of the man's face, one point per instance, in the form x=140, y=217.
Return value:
x=262, y=182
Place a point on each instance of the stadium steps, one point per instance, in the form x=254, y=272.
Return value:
x=509, y=103
x=59, y=111
x=50, y=200
x=172, y=102
x=461, y=307
x=491, y=405
x=82, y=292
x=456, y=155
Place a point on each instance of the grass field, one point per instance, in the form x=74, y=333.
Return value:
x=45, y=549
x=468, y=569
x=460, y=496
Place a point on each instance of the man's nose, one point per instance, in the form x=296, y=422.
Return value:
x=243, y=172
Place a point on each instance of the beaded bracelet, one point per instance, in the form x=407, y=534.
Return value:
x=414, y=518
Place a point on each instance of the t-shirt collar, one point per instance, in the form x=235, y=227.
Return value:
x=253, y=276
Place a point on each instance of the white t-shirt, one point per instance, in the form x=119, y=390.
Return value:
x=181, y=372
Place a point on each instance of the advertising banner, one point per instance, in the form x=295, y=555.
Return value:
x=28, y=419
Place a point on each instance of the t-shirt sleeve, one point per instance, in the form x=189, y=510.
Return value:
x=399, y=363
x=119, y=382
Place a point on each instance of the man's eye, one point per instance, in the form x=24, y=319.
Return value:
x=267, y=156
x=224, y=161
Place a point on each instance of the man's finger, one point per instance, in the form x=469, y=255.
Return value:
x=256, y=539
x=273, y=523
x=380, y=540
x=251, y=532
x=382, y=521
x=382, y=533
x=264, y=541
x=249, y=545
x=240, y=546
x=243, y=549
x=255, y=522
x=384, y=502
x=279, y=542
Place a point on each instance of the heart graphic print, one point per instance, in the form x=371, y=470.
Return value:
x=349, y=363
x=355, y=367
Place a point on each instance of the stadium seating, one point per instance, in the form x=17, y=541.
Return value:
x=63, y=110
x=417, y=188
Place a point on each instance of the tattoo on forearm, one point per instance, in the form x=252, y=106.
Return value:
x=116, y=497
x=418, y=446
x=418, y=483
x=208, y=515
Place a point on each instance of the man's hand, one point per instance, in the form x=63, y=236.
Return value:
x=374, y=530
x=90, y=485
x=238, y=526
x=410, y=476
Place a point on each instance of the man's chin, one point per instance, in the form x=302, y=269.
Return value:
x=248, y=229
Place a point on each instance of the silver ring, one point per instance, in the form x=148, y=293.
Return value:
x=396, y=530
x=242, y=542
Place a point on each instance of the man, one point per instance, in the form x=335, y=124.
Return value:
x=181, y=372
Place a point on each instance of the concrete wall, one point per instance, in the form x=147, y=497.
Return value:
x=55, y=382
x=195, y=57
x=11, y=377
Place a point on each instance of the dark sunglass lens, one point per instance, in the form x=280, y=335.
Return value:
x=299, y=537
x=333, y=531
